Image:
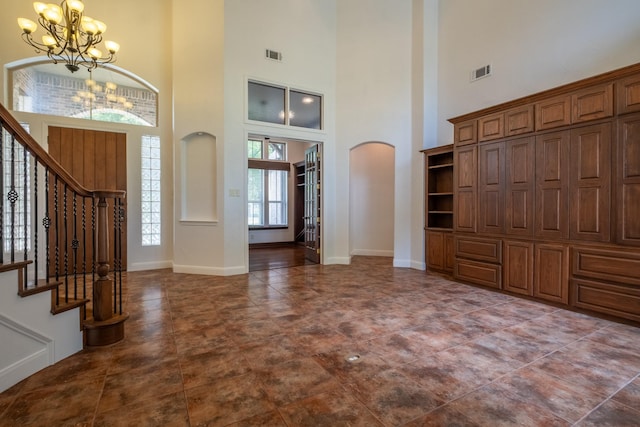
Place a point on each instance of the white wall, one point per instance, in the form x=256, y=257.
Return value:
x=374, y=103
x=531, y=45
x=198, y=51
x=371, y=199
x=304, y=31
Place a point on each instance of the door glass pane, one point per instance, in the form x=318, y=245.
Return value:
x=277, y=151
x=266, y=103
x=255, y=195
x=305, y=110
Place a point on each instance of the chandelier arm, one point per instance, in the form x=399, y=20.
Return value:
x=40, y=47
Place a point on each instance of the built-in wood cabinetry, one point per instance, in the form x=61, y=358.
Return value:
x=439, y=219
x=547, y=195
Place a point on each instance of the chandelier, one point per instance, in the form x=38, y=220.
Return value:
x=70, y=37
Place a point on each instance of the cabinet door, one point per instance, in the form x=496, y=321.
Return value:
x=435, y=250
x=551, y=272
x=628, y=181
x=520, y=164
x=518, y=267
x=465, y=187
x=628, y=95
x=552, y=179
x=466, y=133
x=491, y=127
x=519, y=120
x=552, y=113
x=491, y=188
x=590, y=181
x=449, y=252
x=592, y=103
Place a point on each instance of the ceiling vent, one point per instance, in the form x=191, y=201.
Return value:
x=274, y=55
x=481, y=72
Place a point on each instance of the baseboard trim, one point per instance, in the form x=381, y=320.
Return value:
x=142, y=266
x=372, y=252
x=338, y=260
x=209, y=271
x=401, y=263
x=29, y=364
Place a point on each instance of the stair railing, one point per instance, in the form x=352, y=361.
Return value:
x=59, y=240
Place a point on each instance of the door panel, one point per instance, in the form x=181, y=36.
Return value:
x=312, y=206
x=97, y=160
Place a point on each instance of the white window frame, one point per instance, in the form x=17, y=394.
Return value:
x=150, y=191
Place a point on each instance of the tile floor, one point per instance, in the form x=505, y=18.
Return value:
x=271, y=348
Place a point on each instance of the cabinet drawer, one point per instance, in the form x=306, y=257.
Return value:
x=592, y=103
x=491, y=127
x=621, y=301
x=479, y=249
x=466, y=133
x=481, y=273
x=614, y=266
x=519, y=121
x=628, y=95
x=553, y=113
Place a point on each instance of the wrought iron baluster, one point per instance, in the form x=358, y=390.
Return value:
x=120, y=221
x=84, y=252
x=35, y=221
x=66, y=244
x=56, y=227
x=115, y=254
x=46, y=223
x=74, y=246
x=25, y=206
x=12, y=196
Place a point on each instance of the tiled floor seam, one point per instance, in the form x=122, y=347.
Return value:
x=611, y=397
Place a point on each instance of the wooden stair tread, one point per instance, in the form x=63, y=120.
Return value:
x=16, y=265
x=70, y=304
x=36, y=288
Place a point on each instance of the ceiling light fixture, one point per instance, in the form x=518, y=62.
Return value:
x=71, y=37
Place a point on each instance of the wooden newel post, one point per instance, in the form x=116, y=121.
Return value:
x=103, y=287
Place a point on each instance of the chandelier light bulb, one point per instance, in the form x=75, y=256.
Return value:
x=75, y=5
x=102, y=27
x=94, y=53
x=53, y=14
x=49, y=41
x=27, y=25
x=39, y=7
x=112, y=46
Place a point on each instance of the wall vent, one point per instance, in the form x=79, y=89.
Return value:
x=274, y=55
x=481, y=72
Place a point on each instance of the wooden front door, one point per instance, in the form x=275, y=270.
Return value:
x=312, y=203
x=98, y=161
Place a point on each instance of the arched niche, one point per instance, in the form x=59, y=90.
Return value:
x=198, y=178
x=371, y=199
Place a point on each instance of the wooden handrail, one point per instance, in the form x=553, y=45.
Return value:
x=45, y=158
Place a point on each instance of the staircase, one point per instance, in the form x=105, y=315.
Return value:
x=58, y=292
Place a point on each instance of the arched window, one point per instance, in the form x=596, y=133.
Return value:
x=106, y=94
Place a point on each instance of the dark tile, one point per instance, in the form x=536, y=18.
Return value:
x=295, y=380
x=491, y=406
x=140, y=384
x=612, y=414
x=169, y=410
x=629, y=395
x=227, y=401
x=334, y=408
x=392, y=397
x=563, y=399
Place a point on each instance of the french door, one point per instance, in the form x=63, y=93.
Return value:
x=312, y=203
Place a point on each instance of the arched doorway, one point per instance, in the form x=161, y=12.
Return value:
x=371, y=199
